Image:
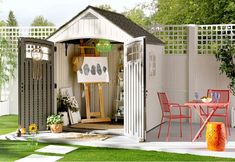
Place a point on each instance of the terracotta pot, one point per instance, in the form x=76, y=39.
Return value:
x=56, y=128
x=216, y=136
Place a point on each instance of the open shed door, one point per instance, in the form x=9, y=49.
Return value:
x=36, y=81
x=134, y=88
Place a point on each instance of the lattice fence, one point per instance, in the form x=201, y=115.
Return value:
x=174, y=37
x=211, y=37
x=13, y=33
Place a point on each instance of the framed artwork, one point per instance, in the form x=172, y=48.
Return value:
x=93, y=70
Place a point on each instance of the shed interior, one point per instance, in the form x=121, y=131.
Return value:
x=66, y=75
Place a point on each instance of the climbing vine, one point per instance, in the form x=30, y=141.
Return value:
x=225, y=55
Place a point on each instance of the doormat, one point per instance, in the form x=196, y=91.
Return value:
x=97, y=126
x=84, y=136
x=39, y=158
x=56, y=149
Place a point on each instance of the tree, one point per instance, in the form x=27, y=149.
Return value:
x=7, y=63
x=2, y=23
x=106, y=7
x=11, y=21
x=41, y=21
x=194, y=11
x=138, y=16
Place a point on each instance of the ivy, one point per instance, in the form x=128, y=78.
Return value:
x=225, y=55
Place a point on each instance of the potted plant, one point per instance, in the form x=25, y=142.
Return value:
x=66, y=104
x=55, y=123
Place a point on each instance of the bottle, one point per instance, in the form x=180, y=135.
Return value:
x=18, y=133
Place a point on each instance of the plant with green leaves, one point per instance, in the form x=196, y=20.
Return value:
x=7, y=63
x=67, y=102
x=225, y=55
x=54, y=119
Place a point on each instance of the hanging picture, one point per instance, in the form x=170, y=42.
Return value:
x=93, y=70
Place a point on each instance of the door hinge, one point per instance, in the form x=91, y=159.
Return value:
x=55, y=85
x=55, y=48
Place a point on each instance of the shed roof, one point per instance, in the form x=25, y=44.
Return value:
x=122, y=22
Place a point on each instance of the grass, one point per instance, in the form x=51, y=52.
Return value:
x=9, y=123
x=13, y=150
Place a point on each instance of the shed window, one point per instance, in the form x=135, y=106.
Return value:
x=45, y=50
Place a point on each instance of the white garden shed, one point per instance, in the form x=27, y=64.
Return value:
x=137, y=50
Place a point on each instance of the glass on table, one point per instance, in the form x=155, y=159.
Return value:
x=217, y=96
x=196, y=96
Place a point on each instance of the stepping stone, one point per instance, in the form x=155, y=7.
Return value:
x=39, y=158
x=56, y=149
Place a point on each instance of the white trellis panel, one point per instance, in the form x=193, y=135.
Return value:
x=211, y=37
x=13, y=33
x=174, y=36
x=134, y=88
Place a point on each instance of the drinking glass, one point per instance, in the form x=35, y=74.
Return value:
x=213, y=94
x=196, y=96
x=217, y=97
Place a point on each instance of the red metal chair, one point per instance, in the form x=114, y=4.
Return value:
x=224, y=98
x=167, y=113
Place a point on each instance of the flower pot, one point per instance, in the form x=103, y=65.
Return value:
x=216, y=136
x=56, y=128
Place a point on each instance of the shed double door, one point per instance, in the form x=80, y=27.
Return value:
x=134, y=89
x=36, y=82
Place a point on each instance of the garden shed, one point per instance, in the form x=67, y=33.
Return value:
x=134, y=57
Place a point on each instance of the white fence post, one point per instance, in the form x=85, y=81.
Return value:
x=192, y=56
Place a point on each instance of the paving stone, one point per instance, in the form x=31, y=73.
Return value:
x=39, y=158
x=57, y=149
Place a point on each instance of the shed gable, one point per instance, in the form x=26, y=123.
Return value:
x=89, y=16
x=90, y=24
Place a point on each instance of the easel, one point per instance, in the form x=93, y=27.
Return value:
x=91, y=117
x=100, y=114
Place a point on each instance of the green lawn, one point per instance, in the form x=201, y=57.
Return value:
x=10, y=151
x=13, y=150
x=9, y=123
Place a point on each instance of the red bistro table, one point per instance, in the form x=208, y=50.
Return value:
x=197, y=105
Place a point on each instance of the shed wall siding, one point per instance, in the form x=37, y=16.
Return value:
x=91, y=28
x=154, y=84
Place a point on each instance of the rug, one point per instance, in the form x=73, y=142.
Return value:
x=97, y=126
x=84, y=136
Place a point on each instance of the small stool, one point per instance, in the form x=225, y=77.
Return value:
x=216, y=136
